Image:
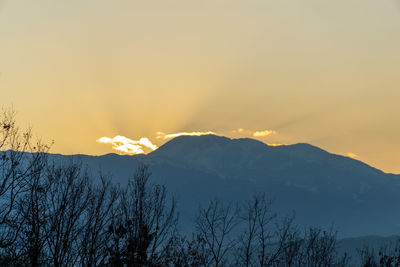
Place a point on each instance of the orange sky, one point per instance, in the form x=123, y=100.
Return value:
x=322, y=72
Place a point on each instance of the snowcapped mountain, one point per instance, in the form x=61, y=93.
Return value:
x=321, y=188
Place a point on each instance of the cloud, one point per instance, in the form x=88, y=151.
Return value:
x=263, y=133
x=161, y=135
x=143, y=145
x=351, y=155
x=128, y=146
x=239, y=130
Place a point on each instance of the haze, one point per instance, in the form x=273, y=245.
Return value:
x=321, y=72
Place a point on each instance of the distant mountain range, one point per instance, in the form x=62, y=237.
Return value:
x=321, y=188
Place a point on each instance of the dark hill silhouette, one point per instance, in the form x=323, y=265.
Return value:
x=321, y=188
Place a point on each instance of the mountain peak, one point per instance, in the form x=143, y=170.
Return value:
x=213, y=144
x=183, y=145
x=187, y=144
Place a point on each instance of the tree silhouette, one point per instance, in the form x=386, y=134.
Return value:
x=214, y=225
x=143, y=223
x=20, y=158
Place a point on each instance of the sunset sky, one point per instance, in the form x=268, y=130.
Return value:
x=316, y=71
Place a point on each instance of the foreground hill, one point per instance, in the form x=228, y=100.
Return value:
x=321, y=188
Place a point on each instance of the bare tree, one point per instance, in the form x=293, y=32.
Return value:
x=289, y=244
x=67, y=200
x=386, y=256
x=32, y=207
x=64, y=218
x=143, y=223
x=255, y=239
x=184, y=253
x=368, y=257
x=214, y=225
x=20, y=158
x=314, y=248
x=320, y=248
x=96, y=237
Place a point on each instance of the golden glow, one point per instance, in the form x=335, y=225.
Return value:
x=263, y=133
x=318, y=72
x=352, y=155
x=275, y=144
x=239, y=130
x=250, y=133
x=128, y=146
x=161, y=135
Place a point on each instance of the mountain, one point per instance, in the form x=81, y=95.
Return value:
x=321, y=188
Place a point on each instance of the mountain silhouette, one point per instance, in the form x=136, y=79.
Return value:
x=320, y=188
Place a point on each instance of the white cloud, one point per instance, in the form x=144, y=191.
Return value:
x=263, y=133
x=128, y=146
x=161, y=135
x=143, y=145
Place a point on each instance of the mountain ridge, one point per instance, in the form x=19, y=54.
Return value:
x=320, y=187
x=305, y=147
